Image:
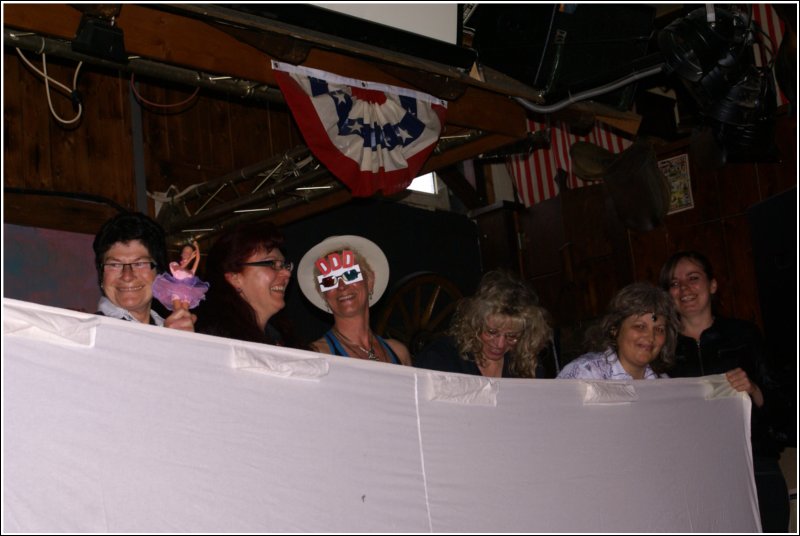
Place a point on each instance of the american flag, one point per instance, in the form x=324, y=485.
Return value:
x=773, y=26
x=534, y=174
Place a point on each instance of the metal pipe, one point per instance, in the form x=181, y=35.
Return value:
x=246, y=89
x=588, y=94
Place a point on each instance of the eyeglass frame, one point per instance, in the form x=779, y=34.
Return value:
x=122, y=265
x=343, y=277
x=270, y=263
x=509, y=338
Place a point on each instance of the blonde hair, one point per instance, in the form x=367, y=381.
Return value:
x=502, y=294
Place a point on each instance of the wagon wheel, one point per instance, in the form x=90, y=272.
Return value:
x=418, y=310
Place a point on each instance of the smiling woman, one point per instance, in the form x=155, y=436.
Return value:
x=130, y=250
x=345, y=275
x=635, y=340
x=248, y=275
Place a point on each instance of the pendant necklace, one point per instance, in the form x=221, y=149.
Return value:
x=370, y=353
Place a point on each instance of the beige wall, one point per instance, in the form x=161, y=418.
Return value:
x=439, y=21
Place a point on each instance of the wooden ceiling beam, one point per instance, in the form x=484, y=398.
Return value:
x=188, y=42
x=465, y=151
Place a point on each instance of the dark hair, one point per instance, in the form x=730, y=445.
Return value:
x=225, y=313
x=668, y=269
x=125, y=227
x=502, y=293
x=637, y=299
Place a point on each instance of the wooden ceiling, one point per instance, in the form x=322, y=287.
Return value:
x=213, y=41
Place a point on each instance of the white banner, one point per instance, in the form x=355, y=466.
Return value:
x=111, y=426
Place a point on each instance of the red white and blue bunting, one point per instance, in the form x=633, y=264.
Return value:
x=373, y=137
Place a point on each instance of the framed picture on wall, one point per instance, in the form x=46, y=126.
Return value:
x=676, y=169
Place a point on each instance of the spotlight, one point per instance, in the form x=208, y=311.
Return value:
x=711, y=51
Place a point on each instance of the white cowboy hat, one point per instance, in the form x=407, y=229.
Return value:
x=360, y=245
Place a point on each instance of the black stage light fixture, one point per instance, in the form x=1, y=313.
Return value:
x=99, y=37
x=711, y=50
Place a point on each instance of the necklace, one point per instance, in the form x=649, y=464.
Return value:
x=370, y=352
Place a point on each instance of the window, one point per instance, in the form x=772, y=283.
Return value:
x=424, y=183
x=426, y=191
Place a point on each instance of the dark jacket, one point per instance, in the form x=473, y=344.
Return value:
x=730, y=343
x=442, y=354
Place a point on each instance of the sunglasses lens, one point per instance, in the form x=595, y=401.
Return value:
x=327, y=282
x=351, y=275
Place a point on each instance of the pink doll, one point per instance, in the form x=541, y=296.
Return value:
x=182, y=288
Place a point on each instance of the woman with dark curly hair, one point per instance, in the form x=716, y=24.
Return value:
x=635, y=340
x=498, y=332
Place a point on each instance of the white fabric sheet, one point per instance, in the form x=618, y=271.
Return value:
x=111, y=426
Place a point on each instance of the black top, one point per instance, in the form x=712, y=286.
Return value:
x=442, y=354
x=730, y=343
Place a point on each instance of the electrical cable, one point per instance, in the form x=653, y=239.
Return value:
x=71, y=93
x=156, y=105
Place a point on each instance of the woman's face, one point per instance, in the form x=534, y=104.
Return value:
x=350, y=300
x=639, y=341
x=499, y=335
x=129, y=288
x=263, y=287
x=690, y=288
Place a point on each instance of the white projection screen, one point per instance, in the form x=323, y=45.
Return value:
x=109, y=426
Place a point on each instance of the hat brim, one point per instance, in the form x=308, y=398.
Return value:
x=590, y=161
x=364, y=247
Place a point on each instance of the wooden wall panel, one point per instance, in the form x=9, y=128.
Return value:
x=775, y=178
x=737, y=186
x=740, y=293
x=92, y=156
x=212, y=136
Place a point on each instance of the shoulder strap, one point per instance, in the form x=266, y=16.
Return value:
x=334, y=344
x=388, y=348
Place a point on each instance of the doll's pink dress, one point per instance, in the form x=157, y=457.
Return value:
x=181, y=285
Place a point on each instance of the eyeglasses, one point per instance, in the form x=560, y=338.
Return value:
x=332, y=281
x=118, y=267
x=275, y=264
x=494, y=334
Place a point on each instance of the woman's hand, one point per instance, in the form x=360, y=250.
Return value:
x=180, y=318
x=740, y=382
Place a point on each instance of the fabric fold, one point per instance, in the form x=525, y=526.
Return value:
x=62, y=329
x=609, y=392
x=462, y=389
x=719, y=387
x=312, y=368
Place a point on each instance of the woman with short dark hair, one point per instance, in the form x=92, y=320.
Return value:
x=130, y=250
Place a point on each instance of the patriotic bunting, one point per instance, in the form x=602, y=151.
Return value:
x=373, y=137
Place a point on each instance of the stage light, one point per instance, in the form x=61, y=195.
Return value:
x=711, y=50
